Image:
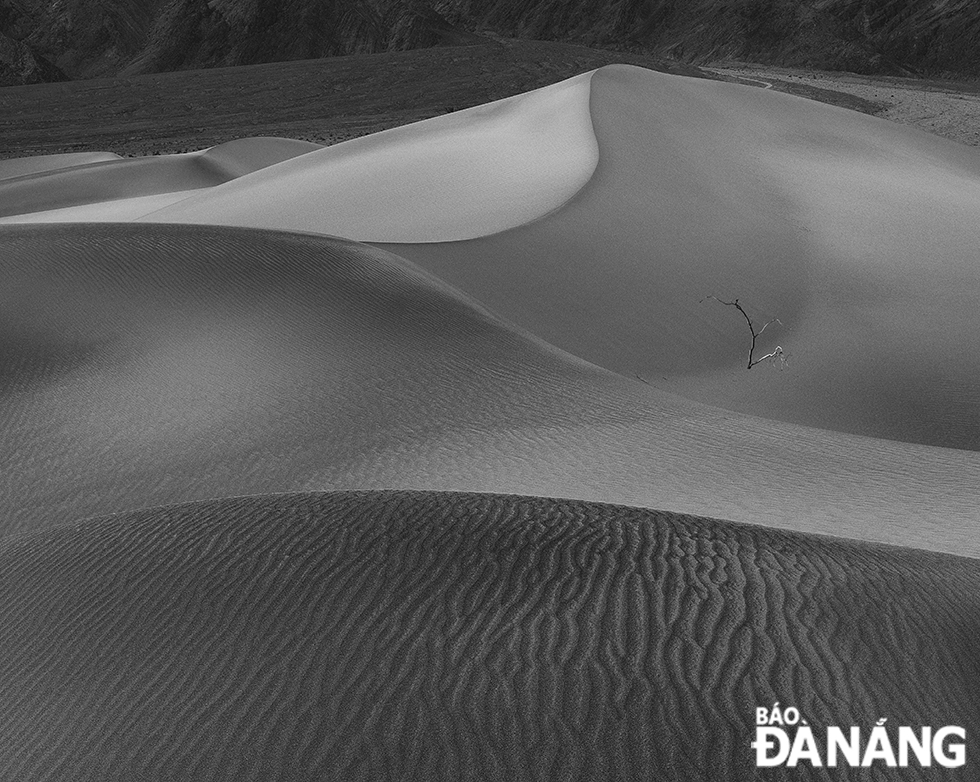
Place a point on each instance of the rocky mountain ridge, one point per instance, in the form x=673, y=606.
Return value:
x=46, y=40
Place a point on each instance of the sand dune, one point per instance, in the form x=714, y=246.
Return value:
x=151, y=365
x=263, y=605
x=858, y=234
x=101, y=185
x=459, y=176
x=120, y=210
x=25, y=166
x=466, y=174
x=457, y=637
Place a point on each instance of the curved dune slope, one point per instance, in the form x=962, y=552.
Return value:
x=122, y=179
x=401, y=635
x=148, y=365
x=860, y=235
x=23, y=166
x=459, y=176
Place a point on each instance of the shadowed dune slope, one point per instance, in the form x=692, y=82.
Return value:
x=155, y=364
x=466, y=174
x=860, y=235
x=427, y=636
x=132, y=178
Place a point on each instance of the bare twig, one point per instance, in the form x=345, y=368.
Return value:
x=777, y=355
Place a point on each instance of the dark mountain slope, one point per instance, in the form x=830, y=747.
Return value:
x=20, y=65
x=932, y=37
x=892, y=36
x=81, y=38
x=325, y=100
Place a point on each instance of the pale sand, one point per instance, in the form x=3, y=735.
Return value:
x=24, y=166
x=459, y=176
x=859, y=234
x=360, y=636
x=357, y=637
x=114, y=190
x=148, y=365
x=122, y=210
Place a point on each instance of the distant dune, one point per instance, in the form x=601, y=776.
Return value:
x=28, y=166
x=405, y=635
x=155, y=364
x=61, y=182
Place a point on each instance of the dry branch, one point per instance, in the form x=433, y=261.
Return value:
x=776, y=355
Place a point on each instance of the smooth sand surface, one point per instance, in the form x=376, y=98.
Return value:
x=860, y=235
x=418, y=636
x=23, y=166
x=466, y=174
x=31, y=195
x=149, y=365
x=122, y=210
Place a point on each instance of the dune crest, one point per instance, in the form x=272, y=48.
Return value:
x=26, y=166
x=119, y=189
x=860, y=235
x=463, y=175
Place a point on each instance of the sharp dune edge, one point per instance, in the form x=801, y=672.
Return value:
x=464, y=175
x=421, y=636
x=858, y=234
x=485, y=348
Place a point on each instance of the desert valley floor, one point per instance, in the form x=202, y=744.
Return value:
x=434, y=455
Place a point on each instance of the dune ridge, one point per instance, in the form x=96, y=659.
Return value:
x=155, y=364
x=24, y=166
x=858, y=234
x=100, y=184
x=415, y=635
x=459, y=176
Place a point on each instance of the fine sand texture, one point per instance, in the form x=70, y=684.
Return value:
x=54, y=186
x=447, y=637
x=155, y=364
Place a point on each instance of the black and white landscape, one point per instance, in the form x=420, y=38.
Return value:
x=532, y=393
